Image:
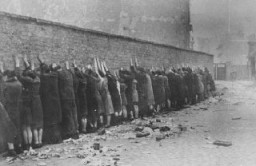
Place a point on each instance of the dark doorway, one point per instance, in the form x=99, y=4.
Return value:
x=220, y=71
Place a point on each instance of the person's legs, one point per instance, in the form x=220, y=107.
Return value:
x=124, y=112
x=35, y=138
x=158, y=108
x=108, y=120
x=11, y=151
x=136, y=111
x=40, y=136
x=168, y=103
x=131, y=115
x=101, y=120
x=84, y=124
x=30, y=137
x=25, y=135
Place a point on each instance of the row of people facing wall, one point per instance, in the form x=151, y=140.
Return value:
x=53, y=102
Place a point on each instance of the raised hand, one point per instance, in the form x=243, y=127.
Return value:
x=102, y=67
x=136, y=62
x=25, y=59
x=16, y=61
x=105, y=66
x=89, y=67
x=1, y=66
x=32, y=65
x=83, y=69
x=67, y=65
x=131, y=63
x=96, y=66
x=74, y=64
x=40, y=59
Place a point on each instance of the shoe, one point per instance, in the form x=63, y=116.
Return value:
x=83, y=132
x=75, y=136
x=27, y=147
x=40, y=145
x=11, y=153
x=36, y=146
x=19, y=150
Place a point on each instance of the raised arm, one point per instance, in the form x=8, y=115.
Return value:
x=136, y=62
x=105, y=66
x=40, y=59
x=103, y=69
x=1, y=67
x=25, y=59
x=131, y=62
x=67, y=65
x=96, y=66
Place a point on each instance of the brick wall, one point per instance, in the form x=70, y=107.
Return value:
x=54, y=42
x=161, y=21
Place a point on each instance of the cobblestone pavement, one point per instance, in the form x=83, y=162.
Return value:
x=230, y=117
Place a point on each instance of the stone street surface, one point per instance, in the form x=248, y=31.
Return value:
x=230, y=117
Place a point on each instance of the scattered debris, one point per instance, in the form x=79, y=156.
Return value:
x=160, y=137
x=222, y=143
x=10, y=159
x=101, y=131
x=140, y=128
x=148, y=130
x=182, y=128
x=204, y=108
x=96, y=146
x=158, y=120
x=236, y=118
x=165, y=128
x=142, y=134
x=41, y=164
x=154, y=127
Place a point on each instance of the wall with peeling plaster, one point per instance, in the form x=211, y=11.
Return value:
x=162, y=21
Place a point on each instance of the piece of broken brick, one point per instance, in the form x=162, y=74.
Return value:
x=140, y=128
x=164, y=128
x=142, y=134
x=236, y=118
x=222, y=143
x=160, y=137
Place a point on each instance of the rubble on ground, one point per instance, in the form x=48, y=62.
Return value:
x=222, y=143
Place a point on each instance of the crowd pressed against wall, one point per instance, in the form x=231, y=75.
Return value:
x=48, y=100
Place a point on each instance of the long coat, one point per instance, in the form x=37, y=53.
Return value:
x=8, y=130
x=149, y=90
x=50, y=98
x=159, y=89
x=12, y=93
x=68, y=104
x=32, y=111
x=114, y=92
x=143, y=102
